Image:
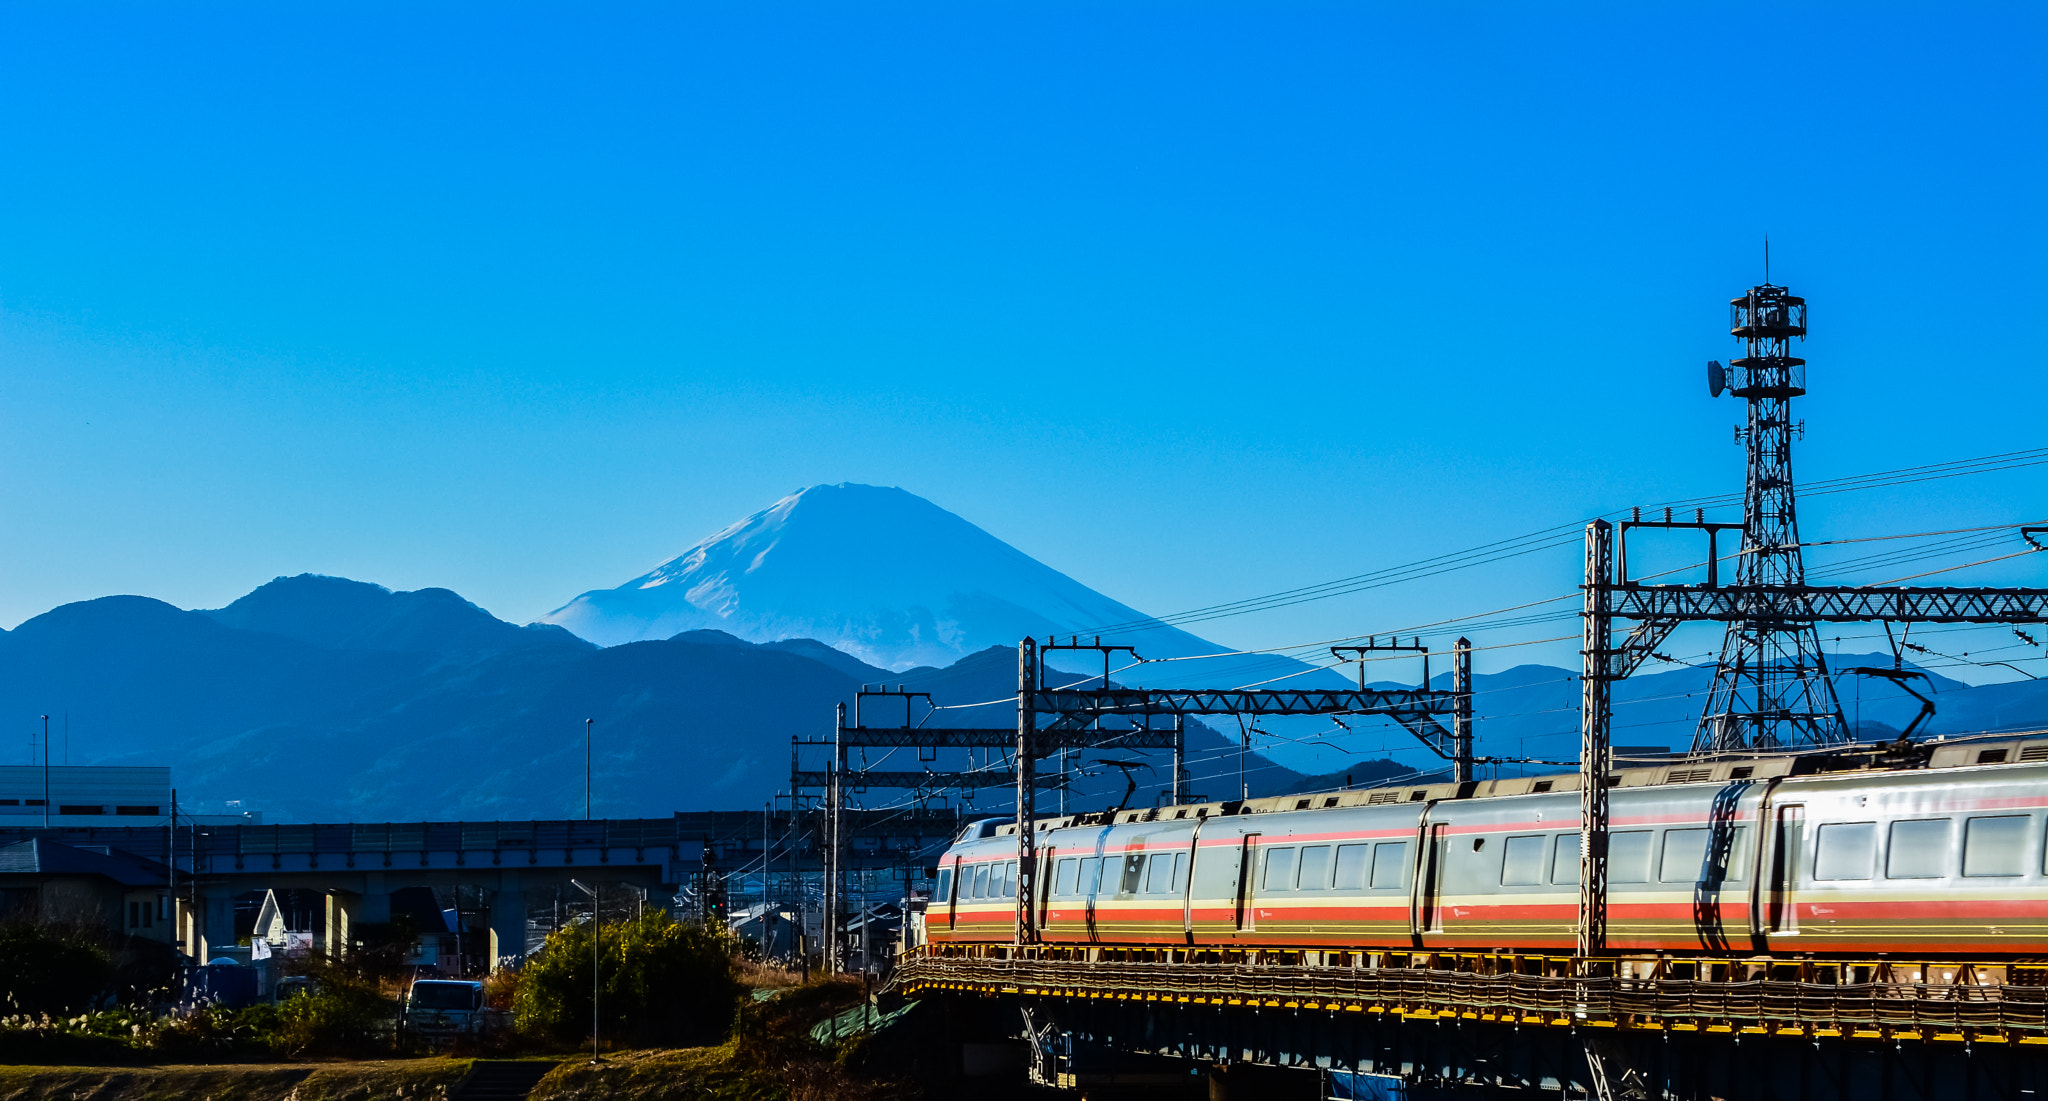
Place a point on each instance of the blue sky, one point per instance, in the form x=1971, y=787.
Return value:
x=1192, y=301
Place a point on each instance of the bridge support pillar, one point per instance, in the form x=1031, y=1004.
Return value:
x=374, y=907
x=341, y=907
x=220, y=919
x=508, y=923
x=185, y=927
x=205, y=922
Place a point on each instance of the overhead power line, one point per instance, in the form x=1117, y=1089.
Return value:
x=1557, y=537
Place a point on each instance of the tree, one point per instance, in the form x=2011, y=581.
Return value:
x=51, y=968
x=661, y=982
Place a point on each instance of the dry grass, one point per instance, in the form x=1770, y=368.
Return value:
x=394, y=1079
x=713, y=1073
x=764, y=976
x=770, y=1058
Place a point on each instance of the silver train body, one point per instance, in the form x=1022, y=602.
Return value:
x=1737, y=857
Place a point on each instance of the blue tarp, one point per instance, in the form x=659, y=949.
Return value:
x=229, y=985
x=1366, y=1087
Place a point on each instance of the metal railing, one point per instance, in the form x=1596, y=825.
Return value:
x=1872, y=1009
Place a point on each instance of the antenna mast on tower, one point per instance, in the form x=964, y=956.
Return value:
x=1771, y=688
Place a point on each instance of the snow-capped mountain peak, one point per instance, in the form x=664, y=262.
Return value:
x=877, y=572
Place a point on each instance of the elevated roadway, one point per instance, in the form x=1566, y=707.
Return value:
x=510, y=865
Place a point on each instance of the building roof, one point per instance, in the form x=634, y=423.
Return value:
x=43, y=857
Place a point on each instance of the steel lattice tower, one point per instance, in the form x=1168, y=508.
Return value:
x=1771, y=689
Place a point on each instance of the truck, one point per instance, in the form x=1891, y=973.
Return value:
x=439, y=1010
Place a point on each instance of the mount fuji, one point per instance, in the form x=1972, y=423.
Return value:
x=894, y=580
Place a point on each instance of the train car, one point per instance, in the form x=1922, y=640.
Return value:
x=975, y=896
x=1127, y=883
x=1841, y=854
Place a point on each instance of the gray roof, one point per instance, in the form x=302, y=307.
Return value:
x=42, y=857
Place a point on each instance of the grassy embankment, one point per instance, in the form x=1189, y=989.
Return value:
x=402, y=1079
x=769, y=1057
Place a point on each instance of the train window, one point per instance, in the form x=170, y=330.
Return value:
x=1685, y=857
x=1009, y=880
x=980, y=887
x=1919, y=850
x=1112, y=874
x=1564, y=860
x=944, y=891
x=1314, y=873
x=1134, y=874
x=1279, y=871
x=1159, y=874
x=1738, y=855
x=1090, y=870
x=1628, y=856
x=1523, y=862
x=1351, y=861
x=1845, y=850
x=1995, y=846
x=1389, y=858
x=1063, y=879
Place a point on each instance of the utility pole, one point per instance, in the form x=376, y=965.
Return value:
x=835, y=798
x=1180, y=743
x=596, y=935
x=1595, y=750
x=1461, y=714
x=46, y=772
x=171, y=863
x=1027, y=751
x=796, y=880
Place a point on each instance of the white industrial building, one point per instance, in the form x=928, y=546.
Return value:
x=84, y=795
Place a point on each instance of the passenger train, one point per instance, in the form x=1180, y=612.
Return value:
x=1935, y=849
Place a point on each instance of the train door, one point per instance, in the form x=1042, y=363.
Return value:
x=1041, y=886
x=952, y=893
x=1187, y=893
x=1433, y=857
x=1214, y=893
x=1787, y=856
x=1247, y=917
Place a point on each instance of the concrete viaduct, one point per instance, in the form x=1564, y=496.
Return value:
x=356, y=866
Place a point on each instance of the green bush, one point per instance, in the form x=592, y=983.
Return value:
x=340, y=1018
x=662, y=982
x=210, y=1033
x=112, y=1036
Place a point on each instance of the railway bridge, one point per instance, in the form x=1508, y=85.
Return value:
x=1343, y=1024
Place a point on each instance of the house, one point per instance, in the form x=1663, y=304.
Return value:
x=274, y=925
x=96, y=884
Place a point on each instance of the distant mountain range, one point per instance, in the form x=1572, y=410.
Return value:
x=320, y=698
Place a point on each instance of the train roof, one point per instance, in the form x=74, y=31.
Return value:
x=1955, y=752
